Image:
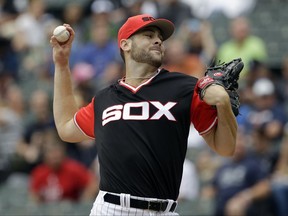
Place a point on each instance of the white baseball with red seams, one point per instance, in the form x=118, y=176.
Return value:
x=61, y=34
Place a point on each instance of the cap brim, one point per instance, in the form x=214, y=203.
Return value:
x=166, y=27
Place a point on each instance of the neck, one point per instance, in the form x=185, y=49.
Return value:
x=138, y=74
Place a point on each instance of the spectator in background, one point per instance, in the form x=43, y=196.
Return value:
x=206, y=9
x=265, y=110
x=135, y=7
x=59, y=178
x=102, y=53
x=110, y=11
x=132, y=7
x=150, y=7
x=82, y=75
x=242, y=44
x=102, y=8
x=257, y=70
x=193, y=49
x=9, y=63
x=30, y=146
x=207, y=163
x=198, y=38
x=174, y=10
x=30, y=24
x=33, y=27
x=119, y=11
x=280, y=178
x=189, y=187
x=73, y=13
x=239, y=183
x=178, y=59
x=282, y=81
x=84, y=152
x=262, y=148
x=8, y=11
x=11, y=113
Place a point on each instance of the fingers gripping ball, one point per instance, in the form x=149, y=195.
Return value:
x=61, y=34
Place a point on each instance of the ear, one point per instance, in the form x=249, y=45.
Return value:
x=125, y=44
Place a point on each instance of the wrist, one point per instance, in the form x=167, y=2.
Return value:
x=222, y=100
x=202, y=84
x=220, y=95
x=62, y=67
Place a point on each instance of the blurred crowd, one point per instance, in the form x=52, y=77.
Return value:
x=253, y=182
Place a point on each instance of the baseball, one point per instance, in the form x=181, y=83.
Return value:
x=61, y=33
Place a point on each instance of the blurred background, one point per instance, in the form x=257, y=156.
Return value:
x=41, y=175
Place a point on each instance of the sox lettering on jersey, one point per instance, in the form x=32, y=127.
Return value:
x=117, y=112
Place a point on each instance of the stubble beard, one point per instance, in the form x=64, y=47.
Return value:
x=141, y=56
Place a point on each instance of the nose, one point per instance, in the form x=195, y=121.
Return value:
x=158, y=41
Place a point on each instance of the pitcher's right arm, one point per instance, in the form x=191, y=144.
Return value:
x=64, y=103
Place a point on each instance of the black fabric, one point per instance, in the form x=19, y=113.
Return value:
x=144, y=157
x=141, y=204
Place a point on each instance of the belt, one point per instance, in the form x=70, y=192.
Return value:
x=141, y=204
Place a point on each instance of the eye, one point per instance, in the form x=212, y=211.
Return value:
x=148, y=35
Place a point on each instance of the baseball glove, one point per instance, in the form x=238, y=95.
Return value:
x=234, y=100
x=226, y=75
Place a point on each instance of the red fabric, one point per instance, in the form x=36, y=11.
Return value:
x=66, y=183
x=204, y=81
x=84, y=119
x=135, y=23
x=203, y=116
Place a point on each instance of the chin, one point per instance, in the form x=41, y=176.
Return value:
x=156, y=64
x=157, y=60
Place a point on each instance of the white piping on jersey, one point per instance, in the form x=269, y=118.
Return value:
x=209, y=128
x=135, y=89
x=75, y=122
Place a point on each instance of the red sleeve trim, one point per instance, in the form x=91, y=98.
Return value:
x=75, y=122
x=84, y=120
x=210, y=127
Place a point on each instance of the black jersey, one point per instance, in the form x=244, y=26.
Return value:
x=141, y=134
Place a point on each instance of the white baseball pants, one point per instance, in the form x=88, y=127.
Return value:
x=102, y=208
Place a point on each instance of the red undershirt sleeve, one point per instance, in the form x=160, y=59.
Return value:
x=203, y=116
x=84, y=119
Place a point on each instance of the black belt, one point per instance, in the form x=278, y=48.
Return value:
x=141, y=204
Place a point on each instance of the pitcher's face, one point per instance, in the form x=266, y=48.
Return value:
x=147, y=47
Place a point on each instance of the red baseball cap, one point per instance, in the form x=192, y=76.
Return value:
x=135, y=23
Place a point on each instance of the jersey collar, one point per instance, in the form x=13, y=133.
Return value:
x=135, y=89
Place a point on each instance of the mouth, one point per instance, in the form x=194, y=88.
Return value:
x=156, y=50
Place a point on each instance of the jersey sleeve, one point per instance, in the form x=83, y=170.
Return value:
x=84, y=119
x=203, y=116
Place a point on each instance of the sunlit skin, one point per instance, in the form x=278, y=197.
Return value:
x=147, y=47
x=144, y=54
x=221, y=138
